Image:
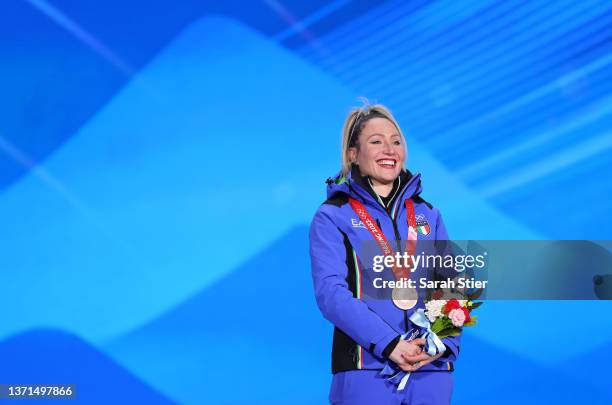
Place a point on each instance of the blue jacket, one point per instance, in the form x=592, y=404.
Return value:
x=366, y=330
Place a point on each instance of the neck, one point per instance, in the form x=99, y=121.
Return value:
x=382, y=189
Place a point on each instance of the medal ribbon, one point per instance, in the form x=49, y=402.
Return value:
x=381, y=240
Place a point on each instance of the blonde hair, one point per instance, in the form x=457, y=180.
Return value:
x=354, y=123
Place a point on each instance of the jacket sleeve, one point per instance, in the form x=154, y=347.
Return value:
x=335, y=300
x=452, y=343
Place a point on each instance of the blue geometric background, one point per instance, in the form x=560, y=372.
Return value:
x=142, y=143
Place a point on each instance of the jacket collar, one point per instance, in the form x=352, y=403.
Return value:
x=359, y=187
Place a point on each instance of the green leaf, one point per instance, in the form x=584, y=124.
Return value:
x=475, y=295
x=475, y=305
x=448, y=326
x=450, y=332
x=471, y=322
x=438, y=325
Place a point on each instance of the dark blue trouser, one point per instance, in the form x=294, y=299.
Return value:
x=366, y=387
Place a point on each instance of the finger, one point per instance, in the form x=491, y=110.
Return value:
x=424, y=357
x=411, y=360
x=415, y=366
x=408, y=367
x=415, y=358
x=412, y=348
x=419, y=341
x=411, y=352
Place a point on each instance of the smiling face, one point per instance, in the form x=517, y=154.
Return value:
x=380, y=153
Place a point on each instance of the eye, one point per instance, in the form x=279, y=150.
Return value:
x=397, y=143
x=376, y=142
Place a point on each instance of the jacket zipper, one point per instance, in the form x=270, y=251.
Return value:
x=398, y=241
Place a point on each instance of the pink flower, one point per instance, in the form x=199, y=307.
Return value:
x=457, y=317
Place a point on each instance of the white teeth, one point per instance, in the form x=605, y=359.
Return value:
x=387, y=162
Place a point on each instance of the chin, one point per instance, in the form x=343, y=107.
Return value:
x=388, y=178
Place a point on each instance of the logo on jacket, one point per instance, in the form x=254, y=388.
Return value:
x=357, y=223
x=422, y=225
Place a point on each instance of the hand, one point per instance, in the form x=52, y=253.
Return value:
x=423, y=359
x=409, y=355
x=408, y=352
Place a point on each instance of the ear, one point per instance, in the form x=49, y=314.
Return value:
x=352, y=154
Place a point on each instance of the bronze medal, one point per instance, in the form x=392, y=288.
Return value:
x=405, y=298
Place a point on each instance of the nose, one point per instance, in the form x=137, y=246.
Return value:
x=388, y=148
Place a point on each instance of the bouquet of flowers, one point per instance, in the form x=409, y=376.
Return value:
x=448, y=317
x=440, y=318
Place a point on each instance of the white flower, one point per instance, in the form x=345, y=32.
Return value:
x=434, y=309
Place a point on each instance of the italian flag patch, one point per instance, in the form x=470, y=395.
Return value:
x=423, y=227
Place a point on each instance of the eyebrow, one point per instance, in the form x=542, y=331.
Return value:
x=377, y=133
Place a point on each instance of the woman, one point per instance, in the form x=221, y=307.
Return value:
x=374, y=187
